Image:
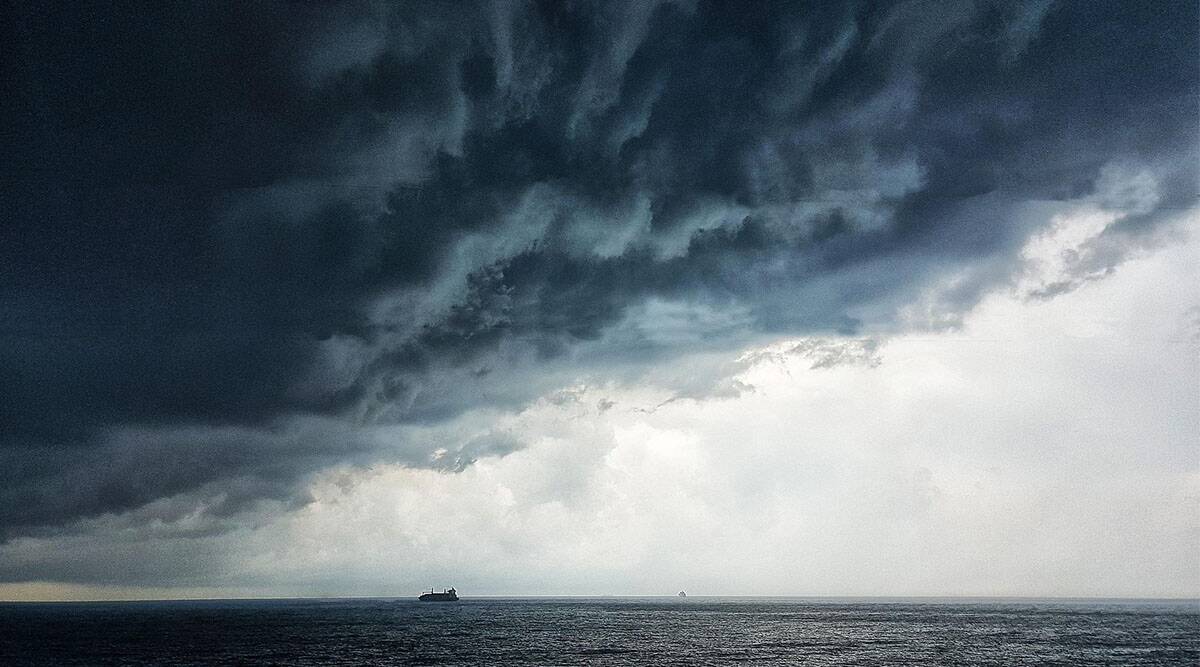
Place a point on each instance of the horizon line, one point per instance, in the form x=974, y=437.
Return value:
x=670, y=596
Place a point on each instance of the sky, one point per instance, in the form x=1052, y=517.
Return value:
x=538, y=298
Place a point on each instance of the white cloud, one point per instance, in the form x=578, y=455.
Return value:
x=1045, y=448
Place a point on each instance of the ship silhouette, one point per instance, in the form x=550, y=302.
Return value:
x=449, y=595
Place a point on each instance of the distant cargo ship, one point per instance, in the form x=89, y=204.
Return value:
x=445, y=596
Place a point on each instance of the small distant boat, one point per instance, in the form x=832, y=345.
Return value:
x=447, y=595
x=682, y=594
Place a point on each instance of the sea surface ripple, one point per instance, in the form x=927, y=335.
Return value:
x=601, y=631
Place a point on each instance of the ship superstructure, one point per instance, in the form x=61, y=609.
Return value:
x=447, y=595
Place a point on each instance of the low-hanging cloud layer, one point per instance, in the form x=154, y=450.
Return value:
x=1046, y=447
x=243, y=245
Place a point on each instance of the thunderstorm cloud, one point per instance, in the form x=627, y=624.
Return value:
x=242, y=244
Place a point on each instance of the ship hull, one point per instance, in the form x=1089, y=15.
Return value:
x=438, y=597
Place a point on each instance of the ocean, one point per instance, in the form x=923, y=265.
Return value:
x=602, y=631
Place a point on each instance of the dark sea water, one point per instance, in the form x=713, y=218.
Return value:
x=603, y=631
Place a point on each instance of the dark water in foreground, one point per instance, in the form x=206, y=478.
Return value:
x=627, y=631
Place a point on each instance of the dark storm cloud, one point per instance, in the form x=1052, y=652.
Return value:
x=224, y=223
